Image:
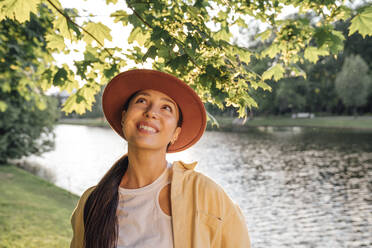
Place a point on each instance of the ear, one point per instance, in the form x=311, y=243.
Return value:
x=175, y=134
x=122, y=122
x=122, y=116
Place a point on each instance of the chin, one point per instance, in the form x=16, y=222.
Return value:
x=149, y=146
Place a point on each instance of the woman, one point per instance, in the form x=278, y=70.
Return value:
x=143, y=201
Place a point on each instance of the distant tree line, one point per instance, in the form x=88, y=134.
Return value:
x=340, y=85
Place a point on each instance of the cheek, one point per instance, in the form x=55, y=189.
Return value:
x=123, y=125
x=172, y=125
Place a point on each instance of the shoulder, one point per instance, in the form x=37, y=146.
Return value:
x=77, y=220
x=87, y=193
x=207, y=184
x=209, y=194
x=83, y=198
x=195, y=178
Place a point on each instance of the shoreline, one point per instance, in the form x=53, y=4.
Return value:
x=230, y=124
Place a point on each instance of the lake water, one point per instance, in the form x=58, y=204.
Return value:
x=297, y=187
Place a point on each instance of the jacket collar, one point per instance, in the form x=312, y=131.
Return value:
x=184, y=166
x=179, y=171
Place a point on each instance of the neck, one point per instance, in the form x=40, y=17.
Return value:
x=144, y=167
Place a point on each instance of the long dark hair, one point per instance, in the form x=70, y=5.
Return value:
x=100, y=221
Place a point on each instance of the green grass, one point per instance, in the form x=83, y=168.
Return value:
x=33, y=212
x=99, y=122
x=363, y=122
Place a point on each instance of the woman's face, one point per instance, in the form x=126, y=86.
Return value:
x=150, y=122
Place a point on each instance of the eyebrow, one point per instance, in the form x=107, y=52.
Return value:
x=163, y=98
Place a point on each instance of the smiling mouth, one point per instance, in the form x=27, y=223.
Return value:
x=147, y=129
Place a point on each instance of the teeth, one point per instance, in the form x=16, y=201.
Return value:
x=147, y=128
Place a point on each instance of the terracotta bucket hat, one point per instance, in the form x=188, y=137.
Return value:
x=125, y=84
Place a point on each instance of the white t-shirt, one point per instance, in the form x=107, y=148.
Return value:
x=141, y=221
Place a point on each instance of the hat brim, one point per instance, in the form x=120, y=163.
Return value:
x=125, y=84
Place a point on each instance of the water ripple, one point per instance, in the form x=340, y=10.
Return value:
x=296, y=187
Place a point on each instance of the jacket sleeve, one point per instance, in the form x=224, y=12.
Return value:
x=234, y=229
x=77, y=221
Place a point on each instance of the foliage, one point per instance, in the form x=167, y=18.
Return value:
x=27, y=115
x=24, y=58
x=24, y=128
x=319, y=94
x=355, y=44
x=192, y=40
x=353, y=81
x=291, y=95
x=95, y=112
x=362, y=22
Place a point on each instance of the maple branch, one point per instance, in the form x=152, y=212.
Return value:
x=77, y=25
x=149, y=25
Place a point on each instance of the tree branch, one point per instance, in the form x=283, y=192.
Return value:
x=77, y=25
x=139, y=17
x=179, y=41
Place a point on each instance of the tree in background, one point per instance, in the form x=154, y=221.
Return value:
x=355, y=44
x=24, y=128
x=290, y=96
x=174, y=37
x=353, y=82
x=320, y=95
x=26, y=114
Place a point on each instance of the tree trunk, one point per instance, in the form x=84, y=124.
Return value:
x=355, y=113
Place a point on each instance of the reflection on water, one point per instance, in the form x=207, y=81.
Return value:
x=297, y=187
x=296, y=190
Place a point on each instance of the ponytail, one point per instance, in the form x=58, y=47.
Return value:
x=100, y=221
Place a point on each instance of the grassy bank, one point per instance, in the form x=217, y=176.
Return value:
x=363, y=122
x=33, y=212
x=99, y=122
x=227, y=123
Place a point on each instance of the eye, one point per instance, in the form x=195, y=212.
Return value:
x=167, y=107
x=141, y=100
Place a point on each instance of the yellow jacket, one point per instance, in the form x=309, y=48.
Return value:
x=202, y=214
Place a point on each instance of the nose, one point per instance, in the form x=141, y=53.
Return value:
x=151, y=113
